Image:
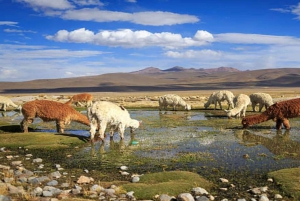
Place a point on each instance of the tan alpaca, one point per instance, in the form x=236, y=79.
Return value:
x=78, y=99
x=51, y=111
x=6, y=102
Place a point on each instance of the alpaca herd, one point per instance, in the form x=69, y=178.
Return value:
x=104, y=114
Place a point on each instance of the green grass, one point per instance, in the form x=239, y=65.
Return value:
x=172, y=183
x=289, y=180
x=42, y=140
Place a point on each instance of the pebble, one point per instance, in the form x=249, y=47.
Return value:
x=47, y=187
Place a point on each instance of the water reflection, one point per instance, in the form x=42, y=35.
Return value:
x=278, y=144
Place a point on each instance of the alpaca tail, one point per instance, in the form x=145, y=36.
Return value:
x=69, y=102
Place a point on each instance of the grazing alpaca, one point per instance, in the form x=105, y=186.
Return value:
x=102, y=114
x=218, y=97
x=79, y=98
x=172, y=100
x=7, y=102
x=51, y=111
x=279, y=112
x=241, y=102
x=262, y=99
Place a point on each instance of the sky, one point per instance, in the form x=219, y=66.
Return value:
x=50, y=39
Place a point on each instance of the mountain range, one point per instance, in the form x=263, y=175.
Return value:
x=153, y=79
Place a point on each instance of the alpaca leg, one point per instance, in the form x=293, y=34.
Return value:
x=60, y=126
x=121, y=130
x=286, y=124
x=279, y=123
x=220, y=105
x=93, y=128
x=24, y=124
x=253, y=106
x=102, y=129
x=260, y=107
x=4, y=107
x=112, y=131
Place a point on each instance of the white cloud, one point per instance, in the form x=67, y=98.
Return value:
x=88, y=2
x=200, y=54
x=128, y=38
x=47, y=4
x=18, y=31
x=131, y=1
x=296, y=11
x=157, y=18
x=8, y=23
x=240, y=38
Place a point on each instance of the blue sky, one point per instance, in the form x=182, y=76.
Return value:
x=43, y=39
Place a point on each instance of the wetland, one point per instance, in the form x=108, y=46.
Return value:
x=202, y=141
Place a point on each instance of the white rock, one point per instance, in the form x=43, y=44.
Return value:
x=123, y=167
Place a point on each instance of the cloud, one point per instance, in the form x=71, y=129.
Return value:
x=296, y=10
x=88, y=2
x=156, y=18
x=200, y=54
x=8, y=23
x=46, y=4
x=241, y=38
x=131, y=1
x=131, y=39
x=18, y=31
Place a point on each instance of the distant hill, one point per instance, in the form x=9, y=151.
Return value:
x=154, y=79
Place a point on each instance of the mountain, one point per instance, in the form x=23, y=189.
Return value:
x=154, y=79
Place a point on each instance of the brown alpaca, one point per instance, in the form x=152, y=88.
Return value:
x=279, y=112
x=51, y=111
x=79, y=98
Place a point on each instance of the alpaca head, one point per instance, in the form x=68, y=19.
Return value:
x=245, y=123
x=229, y=114
x=134, y=124
x=188, y=107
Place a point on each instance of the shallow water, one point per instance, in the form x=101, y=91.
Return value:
x=183, y=141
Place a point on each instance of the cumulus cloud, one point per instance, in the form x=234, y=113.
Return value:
x=128, y=38
x=240, y=38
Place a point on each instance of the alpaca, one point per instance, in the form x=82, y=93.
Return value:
x=103, y=113
x=79, y=98
x=5, y=101
x=51, y=111
x=279, y=112
x=241, y=102
x=263, y=99
x=218, y=97
x=172, y=100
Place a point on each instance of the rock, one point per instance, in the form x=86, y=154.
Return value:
x=38, y=191
x=55, y=175
x=263, y=197
x=135, y=179
x=37, y=160
x=202, y=198
x=165, y=197
x=83, y=180
x=185, y=197
x=278, y=196
x=123, y=167
x=52, y=183
x=47, y=194
x=224, y=180
x=5, y=198
x=15, y=163
x=199, y=191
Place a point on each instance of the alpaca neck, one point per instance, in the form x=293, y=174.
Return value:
x=260, y=118
x=236, y=110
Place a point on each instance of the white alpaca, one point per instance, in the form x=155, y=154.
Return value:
x=102, y=114
x=241, y=102
x=218, y=97
x=172, y=100
x=6, y=102
x=262, y=99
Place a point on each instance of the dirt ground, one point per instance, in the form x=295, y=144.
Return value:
x=150, y=99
